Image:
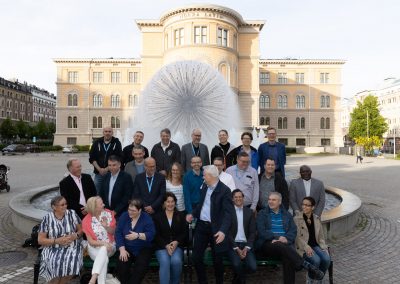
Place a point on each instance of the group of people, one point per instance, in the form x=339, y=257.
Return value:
x=139, y=204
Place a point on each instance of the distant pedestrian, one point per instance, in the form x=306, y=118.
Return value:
x=359, y=157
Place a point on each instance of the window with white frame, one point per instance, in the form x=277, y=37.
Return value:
x=72, y=122
x=282, y=78
x=282, y=122
x=264, y=78
x=300, y=78
x=200, y=34
x=115, y=77
x=72, y=76
x=300, y=123
x=133, y=77
x=282, y=101
x=115, y=122
x=300, y=101
x=97, y=100
x=325, y=101
x=324, y=78
x=222, y=37
x=115, y=101
x=264, y=101
x=97, y=77
x=72, y=100
x=179, y=35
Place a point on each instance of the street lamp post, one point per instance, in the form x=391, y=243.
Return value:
x=394, y=142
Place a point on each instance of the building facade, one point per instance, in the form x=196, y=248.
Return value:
x=298, y=97
x=44, y=105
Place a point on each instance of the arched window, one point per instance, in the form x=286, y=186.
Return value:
x=322, y=101
x=115, y=122
x=267, y=120
x=72, y=122
x=285, y=123
x=303, y=123
x=135, y=100
x=297, y=122
x=69, y=121
x=264, y=101
x=282, y=101
x=224, y=70
x=327, y=123
x=115, y=101
x=97, y=100
x=322, y=123
x=75, y=122
x=72, y=100
x=328, y=101
x=300, y=102
x=279, y=122
x=94, y=124
x=262, y=120
x=130, y=101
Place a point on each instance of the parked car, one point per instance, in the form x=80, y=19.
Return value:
x=70, y=149
x=14, y=149
x=32, y=148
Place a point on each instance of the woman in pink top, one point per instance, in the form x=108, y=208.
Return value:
x=99, y=227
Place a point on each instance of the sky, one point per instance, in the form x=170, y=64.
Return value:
x=364, y=33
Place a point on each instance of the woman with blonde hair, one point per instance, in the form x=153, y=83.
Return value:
x=99, y=227
x=174, y=185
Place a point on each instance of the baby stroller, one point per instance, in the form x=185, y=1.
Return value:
x=3, y=178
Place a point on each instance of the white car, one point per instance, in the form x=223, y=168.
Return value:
x=70, y=149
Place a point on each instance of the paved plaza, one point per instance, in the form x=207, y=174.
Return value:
x=371, y=254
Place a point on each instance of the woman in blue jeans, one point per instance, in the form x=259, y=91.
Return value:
x=310, y=241
x=171, y=237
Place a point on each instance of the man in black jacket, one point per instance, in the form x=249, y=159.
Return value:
x=241, y=237
x=127, y=151
x=223, y=148
x=77, y=187
x=272, y=181
x=101, y=149
x=165, y=152
x=214, y=214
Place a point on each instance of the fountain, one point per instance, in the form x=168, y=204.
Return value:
x=185, y=95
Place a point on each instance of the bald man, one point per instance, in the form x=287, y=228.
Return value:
x=150, y=187
x=101, y=150
x=194, y=148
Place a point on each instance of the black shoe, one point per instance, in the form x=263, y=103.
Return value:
x=314, y=271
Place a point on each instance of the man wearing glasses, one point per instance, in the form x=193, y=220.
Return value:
x=246, y=179
x=273, y=149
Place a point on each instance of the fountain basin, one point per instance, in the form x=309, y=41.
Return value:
x=28, y=209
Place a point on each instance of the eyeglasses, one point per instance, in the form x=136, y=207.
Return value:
x=307, y=205
x=133, y=210
x=63, y=204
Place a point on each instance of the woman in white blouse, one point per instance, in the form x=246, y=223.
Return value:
x=99, y=226
x=174, y=185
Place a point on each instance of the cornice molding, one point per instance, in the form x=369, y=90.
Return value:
x=302, y=61
x=98, y=60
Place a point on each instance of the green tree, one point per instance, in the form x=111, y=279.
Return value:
x=22, y=129
x=51, y=126
x=41, y=130
x=7, y=129
x=366, y=120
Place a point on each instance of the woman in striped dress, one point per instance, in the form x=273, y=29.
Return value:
x=59, y=235
x=174, y=185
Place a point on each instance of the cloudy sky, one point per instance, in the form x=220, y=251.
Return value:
x=364, y=33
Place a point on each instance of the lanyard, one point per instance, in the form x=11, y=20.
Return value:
x=149, y=185
x=106, y=148
x=194, y=152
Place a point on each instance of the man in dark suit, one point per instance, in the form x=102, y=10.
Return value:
x=274, y=149
x=194, y=148
x=117, y=187
x=307, y=186
x=127, y=151
x=77, y=188
x=214, y=214
x=165, y=152
x=241, y=238
x=150, y=187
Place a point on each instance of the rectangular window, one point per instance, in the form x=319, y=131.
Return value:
x=324, y=78
x=71, y=140
x=264, y=78
x=282, y=78
x=300, y=142
x=300, y=78
x=325, y=142
x=72, y=76
x=200, y=34
x=283, y=141
x=97, y=77
x=222, y=37
x=133, y=77
x=179, y=36
x=115, y=77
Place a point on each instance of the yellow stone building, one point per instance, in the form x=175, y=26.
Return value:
x=301, y=98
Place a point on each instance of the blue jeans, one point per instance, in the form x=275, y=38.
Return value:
x=170, y=266
x=98, y=181
x=237, y=264
x=320, y=259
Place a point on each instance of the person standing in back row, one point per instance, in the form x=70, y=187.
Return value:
x=273, y=149
x=194, y=148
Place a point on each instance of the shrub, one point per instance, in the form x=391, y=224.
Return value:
x=51, y=148
x=82, y=148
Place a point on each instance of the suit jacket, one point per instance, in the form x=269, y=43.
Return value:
x=298, y=192
x=130, y=169
x=221, y=211
x=281, y=186
x=121, y=193
x=187, y=154
x=155, y=197
x=263, y=154
x=303, y=234
x=71, y=193
x=178, y=231
x=249, y=225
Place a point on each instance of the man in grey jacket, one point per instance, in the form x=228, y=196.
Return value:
x=194, y=148
x=307, y=186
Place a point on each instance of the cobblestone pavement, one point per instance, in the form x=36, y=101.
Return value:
x=368, y=255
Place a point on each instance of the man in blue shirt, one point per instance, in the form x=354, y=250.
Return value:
x=273, y=149
x=192, y=182
x=276, y=236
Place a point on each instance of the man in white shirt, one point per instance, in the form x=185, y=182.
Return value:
x=227, y=179
x=307, y=186
x=241, y=238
